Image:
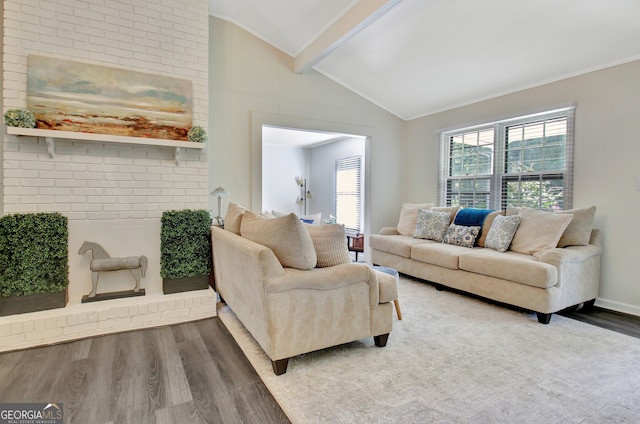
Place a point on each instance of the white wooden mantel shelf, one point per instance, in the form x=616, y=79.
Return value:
x=51, y=135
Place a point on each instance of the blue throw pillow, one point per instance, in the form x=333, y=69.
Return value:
x=471, y=217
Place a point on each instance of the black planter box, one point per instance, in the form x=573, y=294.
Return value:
x=170, y=285
x=32, y=303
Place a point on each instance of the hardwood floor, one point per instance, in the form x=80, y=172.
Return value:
x=611, y=320
x=186, y=373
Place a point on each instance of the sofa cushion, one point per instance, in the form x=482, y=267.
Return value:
x=286, y=236
x=461, y=235
x=432, y=225
x=233, y=217
x=538, y=230
x=578, y=233
x=409, y=216
x=441, y=254
x=395, y=244
x=501, y=233
x=486, y=227
x=330, y=243
x=511, y=266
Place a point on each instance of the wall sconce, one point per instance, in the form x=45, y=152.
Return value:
x=303, y=196
x=220, y=192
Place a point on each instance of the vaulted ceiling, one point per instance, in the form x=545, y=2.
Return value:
x=418, y=57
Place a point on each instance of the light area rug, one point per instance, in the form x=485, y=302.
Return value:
x=457, y=359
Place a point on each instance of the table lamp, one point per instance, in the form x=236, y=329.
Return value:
x=220, y=192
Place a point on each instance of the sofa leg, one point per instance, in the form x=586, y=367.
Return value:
x=280, y=366
x=439, y=287
x=381, y=340
x=543, y=318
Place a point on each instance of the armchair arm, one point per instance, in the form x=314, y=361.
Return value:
x=329, y=278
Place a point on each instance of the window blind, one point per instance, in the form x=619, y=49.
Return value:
x=348, y=192
x=526, y=161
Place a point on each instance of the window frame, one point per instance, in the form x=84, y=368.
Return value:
x=496, y=198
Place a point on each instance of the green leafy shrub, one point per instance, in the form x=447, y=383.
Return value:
x=19, y=118
x=33, y=254
x=197, y=134
x=185, y=243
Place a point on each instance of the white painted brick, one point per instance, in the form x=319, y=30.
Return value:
x=40, y=324
x=16, y=328
x=176, y=313
x=123, y=322
x=14, y=340
x=82, y=329
x=43, y=336
x=163, y=39
x=5, y=330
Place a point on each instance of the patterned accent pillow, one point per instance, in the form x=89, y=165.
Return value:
x=461, y=235
x=330, y=242
x=432, y=225
x=501, y=232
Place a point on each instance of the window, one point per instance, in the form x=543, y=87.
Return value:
x=526, y=161
x=349, y=194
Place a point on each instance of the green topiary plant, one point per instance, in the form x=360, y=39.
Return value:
x=33, y=254
x=185, y=243
x=19, y=118
x=197, y=134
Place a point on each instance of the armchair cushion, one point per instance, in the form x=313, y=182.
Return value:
x=286, y=236
x=233, y=217
x=330, y=242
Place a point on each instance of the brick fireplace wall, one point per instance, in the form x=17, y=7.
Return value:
x=113, y=194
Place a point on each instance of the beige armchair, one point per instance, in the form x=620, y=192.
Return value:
x=292, y=311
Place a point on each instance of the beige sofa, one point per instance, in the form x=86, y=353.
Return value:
x=547, y=280
x=291, y=311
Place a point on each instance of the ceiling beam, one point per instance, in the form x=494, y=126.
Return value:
x=355, y=20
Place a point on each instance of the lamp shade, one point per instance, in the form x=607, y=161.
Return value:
x=220, y=192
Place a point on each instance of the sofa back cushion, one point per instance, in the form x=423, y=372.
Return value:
x=488, y=221
x=578, y=233
x=330, y=243
x=409, y=216
x=539, y=230
x=286, y=236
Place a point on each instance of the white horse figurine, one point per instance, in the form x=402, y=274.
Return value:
x=101, y=261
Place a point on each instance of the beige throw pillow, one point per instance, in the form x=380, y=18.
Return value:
x=538, y=231
x=578, y=233
x=286, y=236
x=409, y=217
x=330, y=242
x=487, y=226
x=233, y=217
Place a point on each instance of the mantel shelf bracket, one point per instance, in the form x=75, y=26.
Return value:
x=51, y=145
x=177, y=155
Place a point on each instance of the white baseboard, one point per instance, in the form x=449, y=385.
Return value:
x=618, y=306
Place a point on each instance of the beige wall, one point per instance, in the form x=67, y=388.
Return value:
x=253, y=83
x=607, y=164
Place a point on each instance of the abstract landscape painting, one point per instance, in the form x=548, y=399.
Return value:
x=72, y=96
